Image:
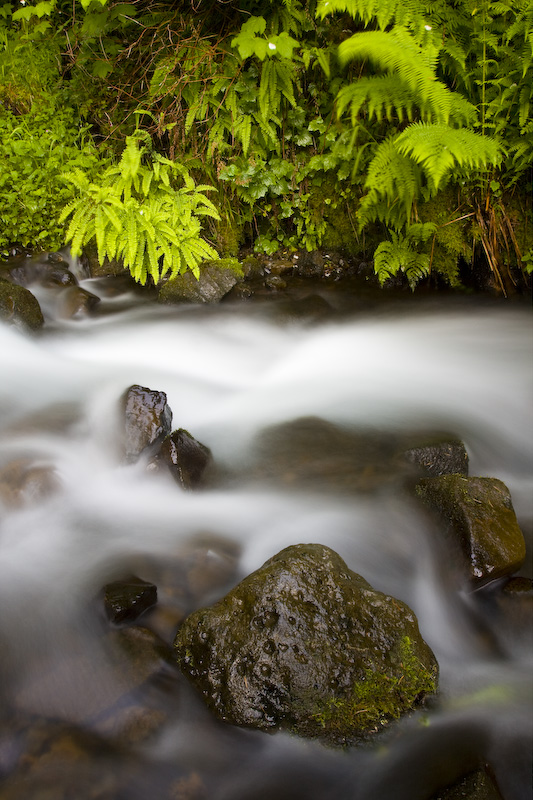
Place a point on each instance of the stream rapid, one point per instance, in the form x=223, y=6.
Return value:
x=229, y=371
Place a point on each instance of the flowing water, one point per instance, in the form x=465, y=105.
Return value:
x=229, y=371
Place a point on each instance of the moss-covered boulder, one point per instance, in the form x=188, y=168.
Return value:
x=307, y=645
x=478, y=514
x=217, y=278
x=19, y=307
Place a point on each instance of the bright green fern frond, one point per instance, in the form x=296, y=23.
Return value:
x=440, y=149
x=382, y=11
x=392, y=184
x=380, y=96
x=398, y=256
x=397, y=52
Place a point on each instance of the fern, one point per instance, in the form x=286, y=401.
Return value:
x=398, y=255
x=135, y=214
x=440, y=149
x=393, y=183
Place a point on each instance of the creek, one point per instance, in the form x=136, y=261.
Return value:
x=460, y=365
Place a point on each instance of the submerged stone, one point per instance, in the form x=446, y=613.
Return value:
x=127, y=599
x=148, y=420
x=307, y=645
x=479, y=515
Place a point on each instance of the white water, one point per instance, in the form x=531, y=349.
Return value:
x=228, y=372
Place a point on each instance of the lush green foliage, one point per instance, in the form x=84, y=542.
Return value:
x=407, y=119
x=41, y=136
x=136, y=215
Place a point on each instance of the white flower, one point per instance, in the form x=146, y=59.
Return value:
x=427, y=27
x=271, y=46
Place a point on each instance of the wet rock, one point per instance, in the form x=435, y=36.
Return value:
x=127, y=599
x=276, y=282
x=19, y=307
x=119, y=686
x=76, y=302
x=305, y=644
x=315, y=454
x=62, y=762
x=184, y=456
x=310, y=265
x=479, y=515
x=214, y=283
x=23, y=482
x=439, y=457
x=476, y=785
x=148, y=420
x=253, y=268
x=57, y=275
x=203, y=567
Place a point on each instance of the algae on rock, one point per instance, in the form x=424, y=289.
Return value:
x=306, y=645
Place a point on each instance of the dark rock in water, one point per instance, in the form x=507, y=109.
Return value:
x=444, y=457
x=275, y=282
x=148, y=420
x=123, y=686
x=315, y=454
x=479, y=514
x=75, y=302
x=56, y=275
x=185, y=457
x=476, y=785
x=19, y=307
x=126, y=600
x=305, y=644
x=214, y=283
x=310, y=265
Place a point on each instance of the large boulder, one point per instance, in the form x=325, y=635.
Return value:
x=478, y=515
x=307, y=645
x=214, y=283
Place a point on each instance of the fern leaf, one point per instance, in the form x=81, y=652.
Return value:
x=397, y=52
x=440, y=149
x=392, y=183
x=397, y=255
x=100, y=224
x=132, y=238
x=380, y=95
x=113, y=217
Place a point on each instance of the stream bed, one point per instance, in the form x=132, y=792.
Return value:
x=74, y=723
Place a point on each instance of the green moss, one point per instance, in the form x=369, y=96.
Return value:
x=232, y=264
x=378, y=697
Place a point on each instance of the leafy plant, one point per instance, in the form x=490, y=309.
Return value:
x=41, y=137
x=135, y=214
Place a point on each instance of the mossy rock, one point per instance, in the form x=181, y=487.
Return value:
x=19, y=307
x=305, y=644
x=217, y=278
x=478, y=514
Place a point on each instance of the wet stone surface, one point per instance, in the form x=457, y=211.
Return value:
x=147, y=421
x=305, y=644
x=184, y=456
x=478, y=515
x=127, y=599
